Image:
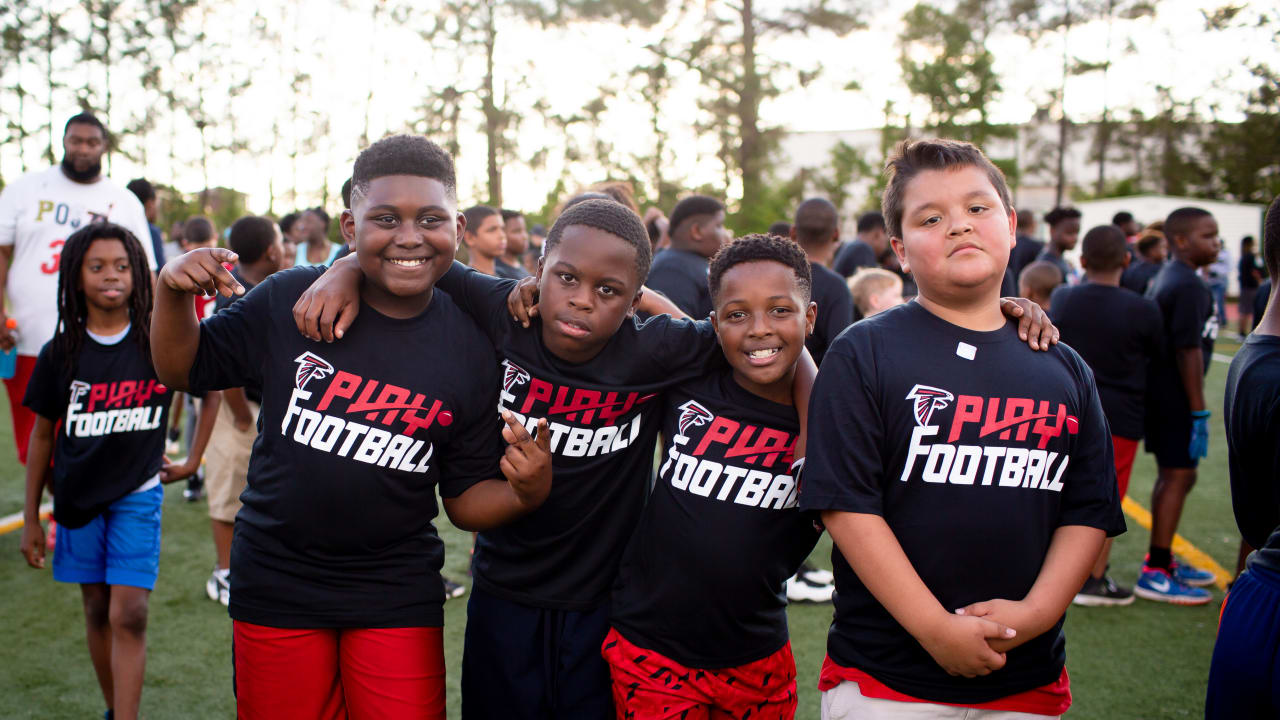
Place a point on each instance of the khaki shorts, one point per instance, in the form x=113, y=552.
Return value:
x=846, y=702
x=226, y=463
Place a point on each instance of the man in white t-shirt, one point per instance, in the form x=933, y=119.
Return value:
x=37, y=213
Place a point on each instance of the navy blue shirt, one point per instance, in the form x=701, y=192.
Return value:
x=1189, y=322
x=835, y=310
x=681, y=276
x=1251, y=407
x=853, y=255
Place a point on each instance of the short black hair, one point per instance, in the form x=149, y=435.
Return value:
x=1104, y=248
x=1061, y=214
x=1147, y=240
x=655, y=232
x=611, y=217
x=141, y=189
x=197, y=229
x=1179, y=221
x=250, y=238
x=816, y=221
x=1122, y=217
x=320, y=213
x=346, y=194
x=692, y=206
x=912, y=157
x=1271, y=240
x=1246, y=240
x=287, y=221
x=873, y=220
x=538, y=229
x=585, y=196
x=511, y=215
x=477, y=214
x=84, y=118
x=756, y=247
x=781, y=228
x=403, y=155
x=1026, y=219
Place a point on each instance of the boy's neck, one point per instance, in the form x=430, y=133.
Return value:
x=513, y=260
x=483, y=263
x=255, y=272
x=1106, y=277
x=107, y=322
x=1179, y=258
x=1270, y=322
x=978, y=311
x=1053, y=248
x=572, y=358
x=778, y=391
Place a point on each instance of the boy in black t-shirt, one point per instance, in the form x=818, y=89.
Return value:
x=686, y=605
x=1245, y=672
x=1153, y=250
x=1118, y=333
x=680, y=271
x=1064, y=232
x=817, y=230
x=1177, y=418
x=966, y=481
x=94, y=388
x=339, y=603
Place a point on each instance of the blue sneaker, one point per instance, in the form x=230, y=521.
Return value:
x=1157, y=584
x=1191, y=575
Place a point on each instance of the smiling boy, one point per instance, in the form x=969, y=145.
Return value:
x=336, y=565
x=967, y=482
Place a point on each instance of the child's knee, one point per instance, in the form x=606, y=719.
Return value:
x=97, y=605
x=129, y=613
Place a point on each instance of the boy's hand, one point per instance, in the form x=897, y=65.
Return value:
x=201, y=272
x=1011, y=613
x=1033, y=325
x=522, y=302
x=174, y=471
x=960, y=644
x=527, y=462
x=33, y=544
x=327, y=308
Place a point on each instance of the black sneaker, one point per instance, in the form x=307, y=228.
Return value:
x=1102, y=592
x=453, y=590
x=195, y=487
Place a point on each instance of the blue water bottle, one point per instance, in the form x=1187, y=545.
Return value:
x=9, y=358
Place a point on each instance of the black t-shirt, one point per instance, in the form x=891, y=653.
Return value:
x=1248, y=271
x=682, y=277
x=113, y=412
x=1137, y=277
x=604, y=416
x=1069, y=274
x=1252, y=413
x=336, y=525
x=835, y=310
x=1118, y=334
x=504, y=269
x=975, y=449
x=703, y=578
x=252, y=390
x=1024, y=252
x=853, y=255
x=1189, y=321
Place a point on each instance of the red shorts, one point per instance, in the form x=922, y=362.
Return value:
x=23, y=419
x=1125, y=450
x=648, y=686
x=332, y=674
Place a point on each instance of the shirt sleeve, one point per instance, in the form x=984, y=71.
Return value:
x=476, y=449
x=232, y=342
x=481, y=296
x=1090, y=495
x=1186, y=321
x=45, y=396
x=679, y=347
x=844, y=469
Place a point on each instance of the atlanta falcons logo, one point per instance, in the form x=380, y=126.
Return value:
x=691, y=415
x=514, y=375
x=78, y=390
x=311, y=366
x=927, y=399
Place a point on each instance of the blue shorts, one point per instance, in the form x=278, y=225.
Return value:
x=1244, y=676
x=119, y=547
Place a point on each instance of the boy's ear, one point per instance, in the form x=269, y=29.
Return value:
x=901, y=251
x=635, y=301
x=347, y=227
x=461, y=223
x=1013, y=228
x=810, y=318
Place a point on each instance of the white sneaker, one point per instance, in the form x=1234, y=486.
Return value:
x=816, y=575
x=218, y=586
x=801, y=590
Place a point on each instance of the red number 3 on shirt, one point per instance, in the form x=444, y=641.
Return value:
x=51, y=267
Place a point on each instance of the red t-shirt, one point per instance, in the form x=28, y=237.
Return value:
x=1051, y=699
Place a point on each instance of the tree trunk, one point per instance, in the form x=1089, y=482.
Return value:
x=1104, y=126
x=1061, y=185
x=492, y=123
x=48, y=54
x=749, y=150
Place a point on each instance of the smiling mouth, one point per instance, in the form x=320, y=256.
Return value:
x=404, y=262
x=762, y=356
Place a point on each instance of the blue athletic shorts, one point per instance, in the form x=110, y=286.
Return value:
x=119, y=547
x=1244, y=676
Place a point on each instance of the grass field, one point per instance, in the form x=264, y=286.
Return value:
x=1145, y=661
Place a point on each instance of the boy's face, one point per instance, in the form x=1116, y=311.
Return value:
x=956, y=232
x=489, y=240
x=404, y=231
x=762, y=319
x=1200, y=245
x=189, y=246
x=517, y=236
x=274, y=257
x=1066, y=233
x=587, y=285
x=105, y=276
x=1158, y=252
x=708, y=234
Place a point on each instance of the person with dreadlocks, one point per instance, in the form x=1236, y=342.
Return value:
x=94, y=385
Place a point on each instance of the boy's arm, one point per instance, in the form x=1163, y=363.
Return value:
x=1071, y=555
x=527, y=466
x=239, y=406
x=175, y=332
x=39, y=450
x=204, y=428
x=801, y=388
x=1191, y=371
x=326, y=310
x=957, y=643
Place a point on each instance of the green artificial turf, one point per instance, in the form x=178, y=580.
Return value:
x=1145, y=661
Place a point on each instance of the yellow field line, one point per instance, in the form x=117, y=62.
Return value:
x=1193, y=554
x=9, y=523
